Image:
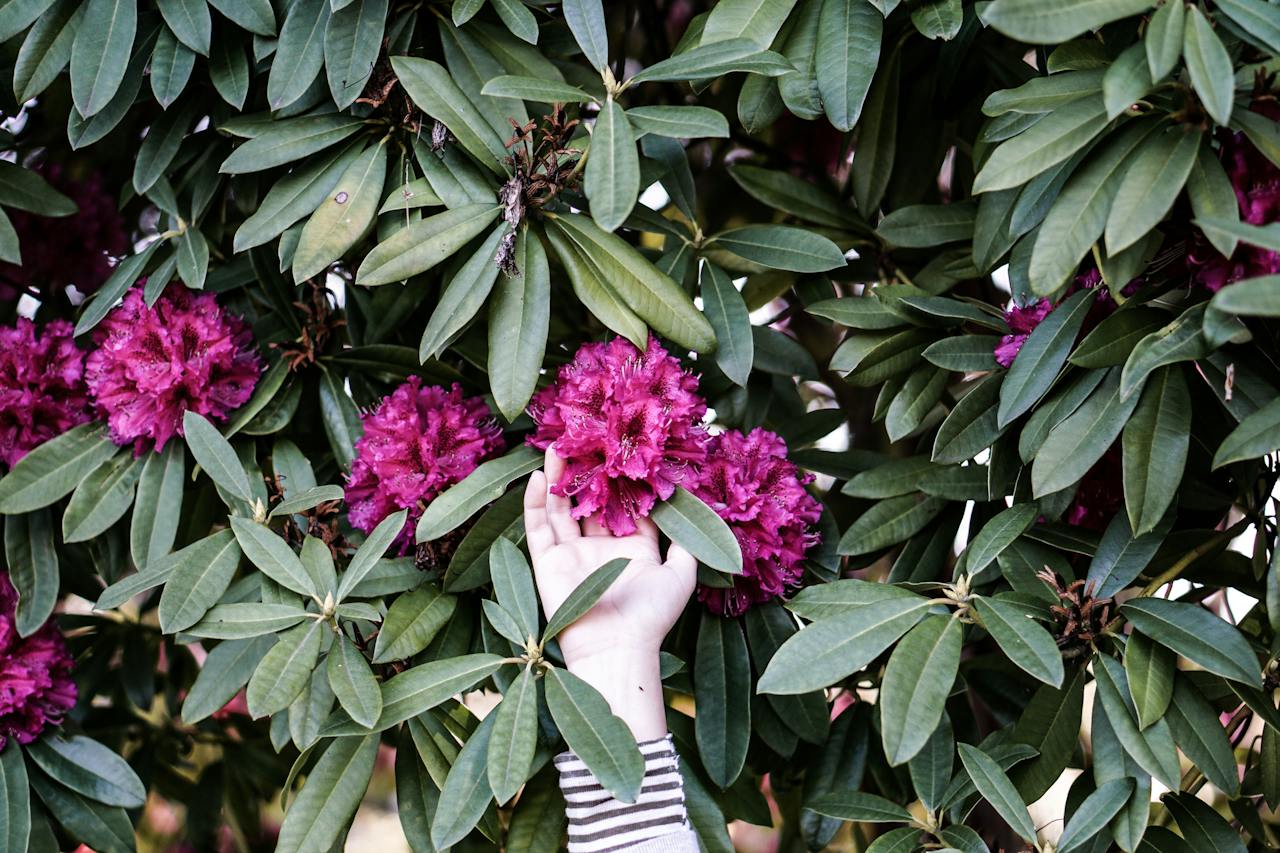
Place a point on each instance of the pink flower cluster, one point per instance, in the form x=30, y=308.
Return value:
x=1256, y=181
x=74, y=249
x=628, y=424
x=418, y=442
x=748, y=481
x=1023, y=319
x=42, y=391
x=154, y=363
x=36, y=689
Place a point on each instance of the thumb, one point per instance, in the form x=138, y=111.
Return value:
x=683, y=564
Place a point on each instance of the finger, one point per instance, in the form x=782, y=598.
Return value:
x=537, y=528
x=683, y=564
x=559, y=507
x=646, y=528
x=592, y=526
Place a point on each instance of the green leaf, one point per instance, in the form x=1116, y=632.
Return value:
x=1035, y=23
x=678, y=122
x=1149, y=668
x=193, y=258
x=651, y=294
x=225, y=671
x=1153, y=749
x=1027, y=644
x=996, y=789
x=46, y=50
x=920, y=393
x=90, y=769
x=285, y=671
x=924, y=225
x=1044, y=94
x=482, y=486
x=345, y=215
x=1209, y=65
x=518, y=19
x=320, y=815
x=972, y=426
x=888, y=523
x=466, y=793
x=586, y=22
x=299, y=52
x=845, y=57
x=997, y=534
x=514, y=737
x=15, y=801
x=352, y=41
x=353, y=682
x=782, y=247
x=1042, y=355
x=1181, y=340
x=1202, y=827
x=420, y=246
x=463, y=296
x=106, y=828
x=256, y=16
x=584, y=597
x=1155, y=441
x=341, y=420
x=1050, y=723
x=535, y=89
x=101, y=499
x=1079, y=214
x=858, y=806
x=200, y=574
x=294, y=196
x=594, y=290
x=833, y=648
x=1255, y=17
x=241, y=621
x=696, y=527
x=916, y=683
x=1093, y=815
x=931, y=767
x=839, y=597
x=190, y=22
x=214, y=455
x=1150, y=186
x=1200, y=734
x=100, y=57
x=48, y=473
x=425, y=686
x=727, y=313
x=309, y=499
x=412, y=622
x=432, y=89
x=1049, y=142
x=612, y=177
x=32, y=558
x=938, y=19
x=1126, y=81
x=876, y=152
x=1074, y=445
x=513, y=585
x=228, y=70
x=1196, y=634
x=1163, y=38
x=758, y=20
x=716, y=60
x=289, y=141
x=722, y=695
x=793, y=195
x=1255, y=436
x=273, y=556
x=17, y=15
x=1253, y=297
x=600, y=739
x=370, y=551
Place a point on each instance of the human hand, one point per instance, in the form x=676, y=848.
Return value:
x=614, y=647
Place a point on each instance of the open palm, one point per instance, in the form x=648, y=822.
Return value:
x=641, y=605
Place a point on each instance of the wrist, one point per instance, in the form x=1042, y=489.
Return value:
x=630, y=680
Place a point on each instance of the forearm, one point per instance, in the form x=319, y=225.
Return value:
x=631, y=682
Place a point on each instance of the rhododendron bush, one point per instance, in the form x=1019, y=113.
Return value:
x=943, y=334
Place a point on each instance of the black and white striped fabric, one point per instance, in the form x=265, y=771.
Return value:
x=655, y=823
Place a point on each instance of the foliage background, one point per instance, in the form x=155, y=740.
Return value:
x=966, y=154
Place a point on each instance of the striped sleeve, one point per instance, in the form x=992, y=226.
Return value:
x=655, y=823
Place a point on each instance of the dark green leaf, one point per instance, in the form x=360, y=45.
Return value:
x=1027, y=644
x=601, y=740
x=694, y=526
x=916, y=683
x=1196, y=634
x=320, y=815
x=722, y=693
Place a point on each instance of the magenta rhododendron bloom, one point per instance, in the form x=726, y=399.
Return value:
x=418, y=442
x=628, y=425
x=1022, y=319
x=76, y=249
x=153, y=364
x=42, y=390
x=748, y=481
x=1256, y=181
x=36, y=689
